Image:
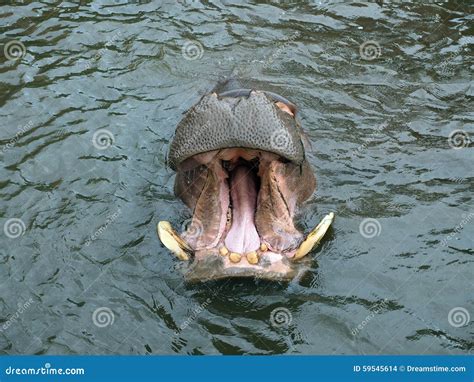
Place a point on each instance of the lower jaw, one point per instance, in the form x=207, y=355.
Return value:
x=212, y=265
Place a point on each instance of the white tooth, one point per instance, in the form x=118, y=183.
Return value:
x=314, y=237
x=173, y=241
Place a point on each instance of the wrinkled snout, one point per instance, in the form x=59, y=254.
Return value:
x=253, y=122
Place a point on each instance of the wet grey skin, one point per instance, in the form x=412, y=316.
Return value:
x=238, y=118
x=239, y=154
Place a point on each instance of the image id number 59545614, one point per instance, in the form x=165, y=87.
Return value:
x=374, y=368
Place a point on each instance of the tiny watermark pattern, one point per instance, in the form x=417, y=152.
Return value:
x=395, y=207
x=14, y=50
x=369, y=228
x=21, y=131
x=22, y=307
x=376, y=309
x=103, y=317
x=60, y=133
x=372, y=137
x=457, y=180
x=280, y=139
x=281, y=317
x=446, y=68
x=459, y=139
x=103, y=227
x=282, y=48
x=102, y=51
x=193, y=228
x=195, y=313
x=370, y=50
x=187, y=3
x=103, y=139
x=458, y=317
x=466, y=220
x=192, y=50
x=14, y=228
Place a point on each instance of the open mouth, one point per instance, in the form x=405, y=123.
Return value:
x=241, y=234
x=253, y=214
x=242, y=226
x=241, y=169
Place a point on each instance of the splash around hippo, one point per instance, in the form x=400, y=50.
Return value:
x=239, y=155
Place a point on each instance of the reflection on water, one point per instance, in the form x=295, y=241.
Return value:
x=91, y=93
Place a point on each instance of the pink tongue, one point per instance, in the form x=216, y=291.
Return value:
x=243, y=236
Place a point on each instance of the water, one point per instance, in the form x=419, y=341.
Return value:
x=87, y=275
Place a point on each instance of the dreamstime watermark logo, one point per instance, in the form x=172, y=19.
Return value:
x=189, y=143
x=102, y=139
x=369, y=228
x=103, y=227
x=283, y=47
x=14, y=50
x=60, y=133
x=192, y=50
x=187, y=3
x=195, y=313
x=280, y=139
x=280, y=317
x=21, y=131
x=14, y=228
x=457, y=180
x=103, y=317
x=22, y=307
x=446, y=68
x=458, y=317
x=372, y=137
x=192, y=227
x=102, y=51
x=370, y=50
x=46, y=370
x=458, y=139
x=395, y=207
x=466, y=219
x=376, y=309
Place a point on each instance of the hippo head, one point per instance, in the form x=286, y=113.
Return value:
x=241, y=168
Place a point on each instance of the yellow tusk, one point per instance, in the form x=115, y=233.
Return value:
x=173, y=241
x=314, y=237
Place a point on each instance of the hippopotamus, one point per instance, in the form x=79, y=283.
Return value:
x=240, y=160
